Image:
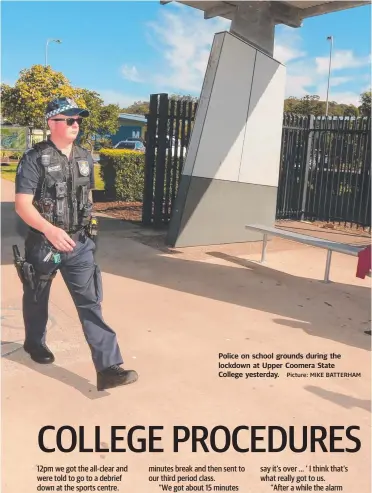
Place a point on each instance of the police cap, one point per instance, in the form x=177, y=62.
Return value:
x=64, y=106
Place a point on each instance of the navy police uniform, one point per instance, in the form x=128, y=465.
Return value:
x=60, y=189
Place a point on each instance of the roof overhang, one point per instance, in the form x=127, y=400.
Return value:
x=291, y=13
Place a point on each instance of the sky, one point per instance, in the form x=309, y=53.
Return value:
x=126, y=51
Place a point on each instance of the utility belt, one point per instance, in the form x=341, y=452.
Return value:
x=43, y=259
x=90, y=230
x=76, y=235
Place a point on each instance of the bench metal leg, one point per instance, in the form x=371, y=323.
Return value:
x=264, y=244
x=328, y=266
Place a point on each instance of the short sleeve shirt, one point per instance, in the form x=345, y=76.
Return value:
x=29, y=172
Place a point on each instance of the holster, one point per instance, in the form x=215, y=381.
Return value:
x=25, y=270
x=39, y=270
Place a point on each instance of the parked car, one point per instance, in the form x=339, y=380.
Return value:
x=135, y=145
x=135, y=139
x=171, y=147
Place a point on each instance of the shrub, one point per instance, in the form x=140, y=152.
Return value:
x=122, y=171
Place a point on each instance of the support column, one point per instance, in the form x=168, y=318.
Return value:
x=230, y=175
x=254, y=23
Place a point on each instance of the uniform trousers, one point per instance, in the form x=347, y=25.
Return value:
x=83, y=279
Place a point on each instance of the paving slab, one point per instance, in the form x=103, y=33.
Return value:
x=175, y=313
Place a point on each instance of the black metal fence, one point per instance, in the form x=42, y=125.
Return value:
x=325, y=165
x=169, y=124
x=325, y=170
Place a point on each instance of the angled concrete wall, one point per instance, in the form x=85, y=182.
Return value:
x=230, y=175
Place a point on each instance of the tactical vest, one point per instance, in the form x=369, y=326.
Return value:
x=63, y=198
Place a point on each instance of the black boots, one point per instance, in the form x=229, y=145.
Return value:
x=106, y=379
x=39, y=353
x=115, y=376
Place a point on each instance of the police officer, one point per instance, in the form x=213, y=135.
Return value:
x=53, y=196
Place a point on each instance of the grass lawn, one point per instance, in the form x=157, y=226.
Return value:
x=8, y=172
x=98, y=180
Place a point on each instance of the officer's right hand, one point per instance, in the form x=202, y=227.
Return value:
x=59, y=239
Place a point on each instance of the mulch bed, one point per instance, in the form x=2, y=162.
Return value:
x=132, y=211
x=127, y=211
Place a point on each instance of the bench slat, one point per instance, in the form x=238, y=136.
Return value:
x=308, y=240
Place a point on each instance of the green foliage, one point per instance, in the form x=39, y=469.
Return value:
x=97, y=178
x=142, y=107
x=122, y=171
x=9, y=172
x=102, y=119
x=184, y=97
x=104, y=142
x=137, y=108
x=24, y=104
x=365, y=107
x=312, y=105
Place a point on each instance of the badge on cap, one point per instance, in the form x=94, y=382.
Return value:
x=83, y=167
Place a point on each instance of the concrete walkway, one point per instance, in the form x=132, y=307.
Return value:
x=174, y=313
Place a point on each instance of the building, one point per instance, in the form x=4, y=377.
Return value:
x=130, y=127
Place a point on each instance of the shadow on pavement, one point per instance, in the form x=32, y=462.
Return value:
x=13, y=231
x=255, y=286
x=63, y=375
x=340, y=399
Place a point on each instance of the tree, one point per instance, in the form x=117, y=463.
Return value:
x=142, y=107
x=24, y=104
x=137, y=108
x=312, y=105
x=184, y=97
x=345, y=110
x=291, y=104
x=102, y=120
x=365, y=107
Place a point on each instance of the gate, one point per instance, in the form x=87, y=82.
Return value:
x=169, y=125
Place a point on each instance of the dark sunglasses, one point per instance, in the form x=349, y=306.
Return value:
x=69, y=121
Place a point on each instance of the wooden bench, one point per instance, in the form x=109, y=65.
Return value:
x=330, y=246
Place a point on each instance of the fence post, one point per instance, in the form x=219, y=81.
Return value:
x=160, y=161
x=307, y=165
x=148, y=189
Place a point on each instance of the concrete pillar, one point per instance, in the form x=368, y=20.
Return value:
x=230, y=175
x=253, y=22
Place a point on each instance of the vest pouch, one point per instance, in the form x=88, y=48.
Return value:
x=61, y=203
x=85, y=206
x=47, y=209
